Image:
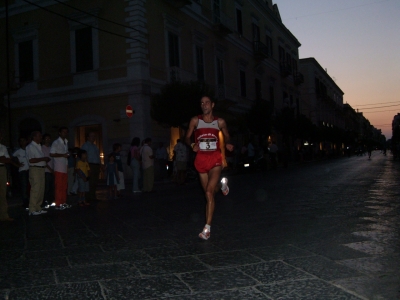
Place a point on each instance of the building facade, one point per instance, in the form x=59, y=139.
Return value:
x=321, y=97
x=80, y=63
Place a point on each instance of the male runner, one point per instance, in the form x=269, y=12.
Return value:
x=208, y=162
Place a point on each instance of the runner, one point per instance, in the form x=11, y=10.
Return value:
x=208, y=162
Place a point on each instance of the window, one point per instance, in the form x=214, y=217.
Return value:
x=288, y=59
x=317, y=87
x=173, y=50
x=268, y=42
x=258, y=89
x=243, y=91
x=217, y=11
x=220, y=71
x=200, y=63
x=84, y=49
x=25, y=57
x=294, y=66
x=239, y=23
x=281, y=55
x=272, y=96
x=256, y=32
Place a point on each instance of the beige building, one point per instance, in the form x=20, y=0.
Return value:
x=322, y=99
x=80, y=63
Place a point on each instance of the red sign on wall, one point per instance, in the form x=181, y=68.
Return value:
x=129, y=111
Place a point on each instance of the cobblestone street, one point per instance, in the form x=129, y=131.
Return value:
x=323, y=230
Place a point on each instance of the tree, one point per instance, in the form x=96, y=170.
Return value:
x=258, y=118
x=285, y=122
x=305, y=129
x=178, y=102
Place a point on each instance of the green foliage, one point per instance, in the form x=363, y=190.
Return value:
x=259, y=118
x=178, y=102
x=304, y=128
x=285, y=122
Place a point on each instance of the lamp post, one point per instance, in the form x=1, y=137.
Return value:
x=8, y=75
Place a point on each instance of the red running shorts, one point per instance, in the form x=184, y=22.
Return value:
x=205, y=161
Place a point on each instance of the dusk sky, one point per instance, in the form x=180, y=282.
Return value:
x=358, y=42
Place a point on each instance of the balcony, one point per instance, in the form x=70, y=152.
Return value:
x=225, y=92
x=178, y=74
x=286, y=69
x=178, y=3
x=298, y=79
x=222, y=24
x=260, y=50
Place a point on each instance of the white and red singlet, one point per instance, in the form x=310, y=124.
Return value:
x=207, y=138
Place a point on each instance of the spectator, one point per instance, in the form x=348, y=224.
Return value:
x=71, y=170
x=37, y=163
x=112, y=178
x=4, y=159
x=162, y=159
x=93, y=154
x=82, y=170
x=48, y=171
x=23, y=171
x=148, y=165
x=135, y=163
x=273, y=150
x=59, y=150
x=181, y=157
x=250, y=154
x=117, y=154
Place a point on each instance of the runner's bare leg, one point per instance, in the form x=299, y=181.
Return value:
x=209, y=182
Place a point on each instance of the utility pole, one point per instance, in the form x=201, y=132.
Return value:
x=8, y=76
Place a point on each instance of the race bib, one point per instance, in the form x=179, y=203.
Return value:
x=208, y=144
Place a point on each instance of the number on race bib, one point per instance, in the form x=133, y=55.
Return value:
x=208, y=144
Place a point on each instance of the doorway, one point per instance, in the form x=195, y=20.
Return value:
x=81, y=133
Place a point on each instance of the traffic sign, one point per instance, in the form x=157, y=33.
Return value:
x=129, y=111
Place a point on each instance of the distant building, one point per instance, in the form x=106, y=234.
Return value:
x=396, y=129
x=322, y=98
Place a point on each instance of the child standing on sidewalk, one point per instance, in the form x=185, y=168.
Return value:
x=82, y=170
x=112, y=176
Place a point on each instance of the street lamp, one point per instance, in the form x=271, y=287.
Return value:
x=8, y=74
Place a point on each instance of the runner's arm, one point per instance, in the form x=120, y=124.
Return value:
x=192, y=127
x=224, y=129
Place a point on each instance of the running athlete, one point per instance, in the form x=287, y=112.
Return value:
x=208, y=162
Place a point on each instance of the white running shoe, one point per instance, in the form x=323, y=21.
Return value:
x=224, y=186
x=205, y=234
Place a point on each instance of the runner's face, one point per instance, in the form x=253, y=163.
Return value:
x=206, y=105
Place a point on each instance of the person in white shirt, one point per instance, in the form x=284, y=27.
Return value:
x=4, y=159
x=59, y=150
x=23, y=171
x=48, y=171
x=37, y=162
x=148, y=165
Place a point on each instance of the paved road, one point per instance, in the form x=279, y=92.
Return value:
x=327, y=230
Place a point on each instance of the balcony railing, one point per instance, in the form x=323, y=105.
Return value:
x=226, y=92
x=260, y=50
x=178, y=74
x=222, y=23
x=178, y=3
x=298, y=78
